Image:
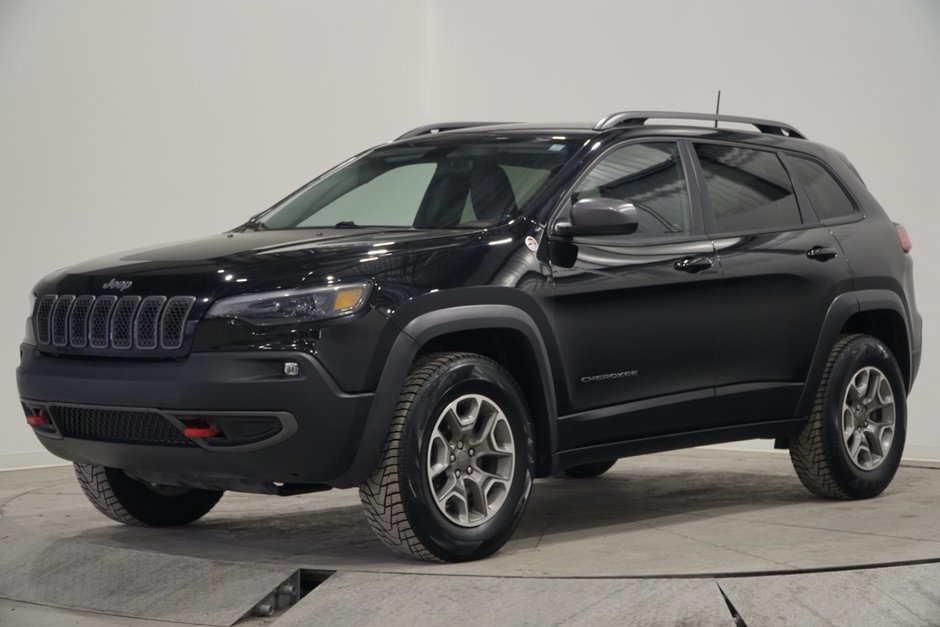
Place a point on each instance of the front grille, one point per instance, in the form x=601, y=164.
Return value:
x=117, y=425
x=109, y=322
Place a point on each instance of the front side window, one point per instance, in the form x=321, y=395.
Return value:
x=440, y=185
x=749, y=190
x=651, y=177
x=828, y=198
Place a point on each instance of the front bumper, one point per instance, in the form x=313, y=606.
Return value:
x=320, y=424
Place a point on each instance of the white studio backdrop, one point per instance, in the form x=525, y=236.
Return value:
x=130, y=123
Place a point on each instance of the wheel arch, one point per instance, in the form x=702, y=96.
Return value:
x=879, y=313
x=504, y=333
x=888, y=326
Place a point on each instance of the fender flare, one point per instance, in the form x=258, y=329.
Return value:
x=843, y=307
x=418, y=332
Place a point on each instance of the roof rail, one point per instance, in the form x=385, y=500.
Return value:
x=640, y=117
x=431, y=129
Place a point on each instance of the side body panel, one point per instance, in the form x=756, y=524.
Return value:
x=631, y=326
x=774, y=301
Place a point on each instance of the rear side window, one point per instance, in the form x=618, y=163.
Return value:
x=749, y=190
x=829, y=199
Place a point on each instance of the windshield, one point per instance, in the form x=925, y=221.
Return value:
x=433, y=186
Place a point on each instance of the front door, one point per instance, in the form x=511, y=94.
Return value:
x=635, y=314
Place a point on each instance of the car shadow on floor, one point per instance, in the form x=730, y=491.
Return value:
x=311, y=528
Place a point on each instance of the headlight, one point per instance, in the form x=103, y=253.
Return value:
x=300, y=305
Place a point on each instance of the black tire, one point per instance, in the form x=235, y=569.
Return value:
x=589, y=471
x=821, y=455
x=133, y=502
x=398, y=498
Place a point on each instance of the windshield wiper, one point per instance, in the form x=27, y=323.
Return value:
x=347, y=224
x=255, y=225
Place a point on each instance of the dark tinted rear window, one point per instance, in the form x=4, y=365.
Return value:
x=828, y=198
x=749, y=190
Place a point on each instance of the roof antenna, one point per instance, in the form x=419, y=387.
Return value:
x=717, y=108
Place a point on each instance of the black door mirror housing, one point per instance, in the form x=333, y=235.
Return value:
x=599, y=216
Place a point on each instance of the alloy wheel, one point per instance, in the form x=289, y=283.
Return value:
x=470, y=460
x=868, y=418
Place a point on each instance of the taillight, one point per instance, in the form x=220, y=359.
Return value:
x=903, y=237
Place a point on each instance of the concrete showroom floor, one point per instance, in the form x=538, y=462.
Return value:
x=696, y=537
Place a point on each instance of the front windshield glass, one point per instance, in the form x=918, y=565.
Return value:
x=432, y=186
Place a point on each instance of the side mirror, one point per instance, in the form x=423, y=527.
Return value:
x=599, y=216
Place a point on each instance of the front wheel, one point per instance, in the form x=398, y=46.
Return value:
x=454, y=478
x=132, y=502
x=850, y=448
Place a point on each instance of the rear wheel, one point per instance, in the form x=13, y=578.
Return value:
x=850, y=448
x=133, y=502
x=589, y=471
x=454, y=479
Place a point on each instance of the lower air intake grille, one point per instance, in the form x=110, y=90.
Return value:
x=117, y=425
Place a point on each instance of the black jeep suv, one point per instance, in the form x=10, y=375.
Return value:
x=445, y=317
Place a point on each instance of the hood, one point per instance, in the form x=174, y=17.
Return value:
x=248, y=261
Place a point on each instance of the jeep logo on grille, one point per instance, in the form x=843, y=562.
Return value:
x=114, y=284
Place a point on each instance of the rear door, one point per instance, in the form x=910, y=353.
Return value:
x=635, y=314
x=781, y=270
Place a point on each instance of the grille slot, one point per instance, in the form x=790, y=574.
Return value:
x=121, y=319
x=145, y=325
x=109, y=322
x=44, y=318
x=78, y=321
x=98, y=324
x=60, y=320
x=174, y=319
x=117, y=425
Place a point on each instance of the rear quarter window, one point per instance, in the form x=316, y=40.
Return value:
x=828, y=197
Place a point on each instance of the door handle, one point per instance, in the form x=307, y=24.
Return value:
x=821, y=253
x=693, y=264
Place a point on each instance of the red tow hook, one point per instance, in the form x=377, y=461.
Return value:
x=201, y=432
x=37, y=421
